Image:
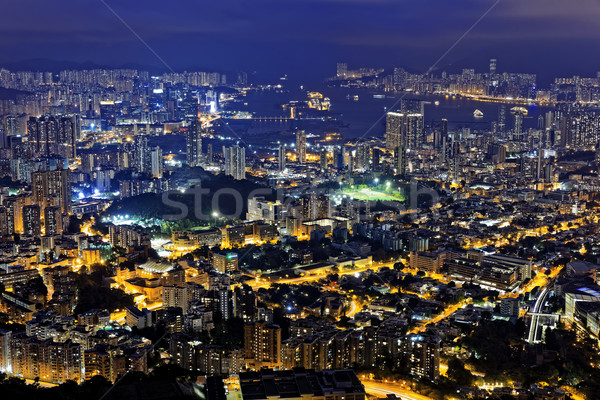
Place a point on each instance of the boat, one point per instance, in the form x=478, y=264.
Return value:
x=478, y=114
x=437, y=102
x=355, y=97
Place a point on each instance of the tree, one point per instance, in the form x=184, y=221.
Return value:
x=458, y=373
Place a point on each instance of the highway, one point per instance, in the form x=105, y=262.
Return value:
x=537, y=308
x=382, y=389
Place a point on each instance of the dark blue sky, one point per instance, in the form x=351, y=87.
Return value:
x=305, y=38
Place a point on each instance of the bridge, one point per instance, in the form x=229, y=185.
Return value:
x=537, y=316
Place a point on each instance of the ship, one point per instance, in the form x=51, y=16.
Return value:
x=478, y=114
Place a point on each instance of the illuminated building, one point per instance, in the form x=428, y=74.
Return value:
x=193, y=143
x=431, y=262
x=52, y=188
x=141, y=154
x=134, y=317
x=363, y=157
x=260, y=209
x=262, y=345
x=53, y=224
x=301, y=146
x=156, y=163
x=423, y=354
x=244, y=303
x=176, y=296
x=492, y=66
x=124, y=236
x=403, y=132
x=106, y=363
x=342, y=70
x=323, y=159
x=224, y=263
x=52, y=136
x=32, y=222
x=509, y=306
x=282, y=157
x=211, y=359
x=186, y=240
x=235, y=161
x=5, y=359
x=47, y=360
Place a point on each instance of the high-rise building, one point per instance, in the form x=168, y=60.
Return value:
x=176, y=296
x=156, y=160
x=492, y=66
x=323, y=159
x=262, y=345
x=301, y=146
x=502, y=119
x=5, y=361
x=282, y=157
x=342, y=70
x=209, y=153
x=107, y=363
x=53, y=224
x=235, y=161
x=363, y=157
x=519, y=114
x=47, y=360
x=404, y=131
x=423, y=354
x=193, y=143
x=579, y=129
x=51, y=188
x=32, y=222
x=224, y=263
x=377, y=154
x=141, y=155
x=53, y=136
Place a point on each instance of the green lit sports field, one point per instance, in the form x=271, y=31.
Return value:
x=367, y=194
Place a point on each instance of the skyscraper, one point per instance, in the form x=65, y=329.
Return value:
x=235, y=161
x=141, y=158
x=262, y=345
x=52, y=188
x=282, y=157
x=53, y=221
x=492, y=66
x=502, y=119
x=323, y=159
x=342, y=70
x=156, y=160
x=32, y=223
x=404, y=131
x=363, y=157
x=301, y=146
x=52, y=136
x=194, y=144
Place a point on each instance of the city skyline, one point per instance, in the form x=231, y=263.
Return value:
x=303, y=199
x=234, y=35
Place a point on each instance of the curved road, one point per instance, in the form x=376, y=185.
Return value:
x=537, y=308
x=381, y=389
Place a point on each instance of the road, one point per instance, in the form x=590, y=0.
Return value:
x=41, y=384
x=354, y=308
x=537, y=308
x=382, y=389
x=264, y=283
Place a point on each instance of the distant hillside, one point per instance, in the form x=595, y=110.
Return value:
x=44, y=65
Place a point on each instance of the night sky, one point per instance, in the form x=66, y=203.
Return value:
x=305, y=38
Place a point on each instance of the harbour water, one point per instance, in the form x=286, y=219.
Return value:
x=361, y=112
